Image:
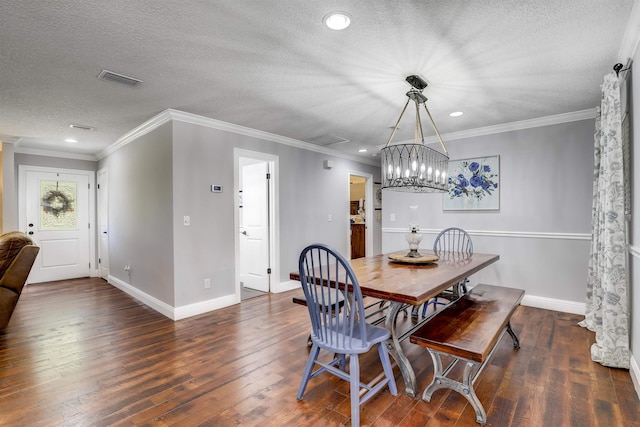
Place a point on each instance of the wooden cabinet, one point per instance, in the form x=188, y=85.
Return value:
x=357, y=241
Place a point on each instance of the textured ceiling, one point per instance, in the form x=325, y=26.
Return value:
x=271, y=65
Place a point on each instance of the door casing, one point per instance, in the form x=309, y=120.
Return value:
x=22, y=205
x=274, y=218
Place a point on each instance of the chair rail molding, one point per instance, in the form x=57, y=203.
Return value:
x=518, y=234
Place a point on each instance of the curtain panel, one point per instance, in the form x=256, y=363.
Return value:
x=607, y=308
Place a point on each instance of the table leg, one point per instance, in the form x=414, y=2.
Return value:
x=395, y=349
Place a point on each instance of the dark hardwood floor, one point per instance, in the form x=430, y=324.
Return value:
x=82, y=353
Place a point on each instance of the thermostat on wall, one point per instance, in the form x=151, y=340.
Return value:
x=216, y=188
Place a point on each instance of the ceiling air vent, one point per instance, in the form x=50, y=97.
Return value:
x=327, y=140
x=118, y=78
x=81, y=127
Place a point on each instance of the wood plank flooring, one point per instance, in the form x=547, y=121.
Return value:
x=83, y=353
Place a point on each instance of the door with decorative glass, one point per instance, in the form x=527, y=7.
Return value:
x=55, y=212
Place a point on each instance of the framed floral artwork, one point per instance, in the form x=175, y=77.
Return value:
x=474, y=184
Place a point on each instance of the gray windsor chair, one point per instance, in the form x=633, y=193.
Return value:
x=451, y=241
x=327, y=279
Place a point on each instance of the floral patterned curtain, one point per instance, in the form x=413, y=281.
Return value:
x=607, y=309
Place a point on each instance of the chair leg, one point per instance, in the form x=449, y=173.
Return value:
x=308, y=369
x=354, y=374
x=386, y=366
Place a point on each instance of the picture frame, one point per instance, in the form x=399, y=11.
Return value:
x=473, y=184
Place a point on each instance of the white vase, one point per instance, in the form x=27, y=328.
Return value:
x=470, y=202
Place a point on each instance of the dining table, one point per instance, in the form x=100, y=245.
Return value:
x=409, y=285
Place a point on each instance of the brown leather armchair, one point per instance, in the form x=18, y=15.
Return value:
x=17, y=254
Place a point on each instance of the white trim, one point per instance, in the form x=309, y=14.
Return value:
x=634, y=251
x=174, y=313
x=554, y=304
x=184, y=117
x=91, y=177
x=368, y=210
x=631, y=38
x=146, y=127
x=274, y=212
x=201, y=307
x=509, y=127
x=635, y=375
x=195, y=119
x=289, y=285
x=518, y=234
x=153, y=302
x=62, y=154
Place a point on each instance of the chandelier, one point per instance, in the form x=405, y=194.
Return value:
x=415, y=167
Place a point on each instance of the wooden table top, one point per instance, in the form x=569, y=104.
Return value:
x=379, y=277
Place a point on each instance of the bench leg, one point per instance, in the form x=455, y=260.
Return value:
x=514, y=337
x=465, y=388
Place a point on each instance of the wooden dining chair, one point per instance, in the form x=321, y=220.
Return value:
x=327, y=278
x=452, y=241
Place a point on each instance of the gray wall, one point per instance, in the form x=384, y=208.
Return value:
x=307, y=195
x=542, y=229
x=166, y=174
x=141, y=215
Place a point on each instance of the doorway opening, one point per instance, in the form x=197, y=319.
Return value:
x=256, y=219
x=360, y=209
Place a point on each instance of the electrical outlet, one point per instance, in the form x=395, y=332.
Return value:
x=207, y=283
x=127, y=267
x=392, y=217
x=187, y=220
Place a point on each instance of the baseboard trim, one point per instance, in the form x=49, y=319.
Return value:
x=289, y=285
x=153, y=302
x=554, y=304
x=174, y=313
x=202, y=307
x=635, y=375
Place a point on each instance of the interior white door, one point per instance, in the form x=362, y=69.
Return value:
x=103, y=223
x=56, y=215
x=254, y=226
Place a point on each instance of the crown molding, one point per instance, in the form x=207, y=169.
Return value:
x=146, y=127
x=181, y=116
x=48, y=153
x=519, y=125
x=631, y=38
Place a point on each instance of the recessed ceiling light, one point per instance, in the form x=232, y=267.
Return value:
x=337, y=20
x=456, y=114
x=70, y=140
x=362, y=150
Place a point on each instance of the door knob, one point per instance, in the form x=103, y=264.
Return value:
x=244, y=232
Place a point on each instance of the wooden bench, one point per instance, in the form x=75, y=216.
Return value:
x=468, y=330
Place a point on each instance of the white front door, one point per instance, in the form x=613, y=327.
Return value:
x=254, y=225
x=55, y=212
